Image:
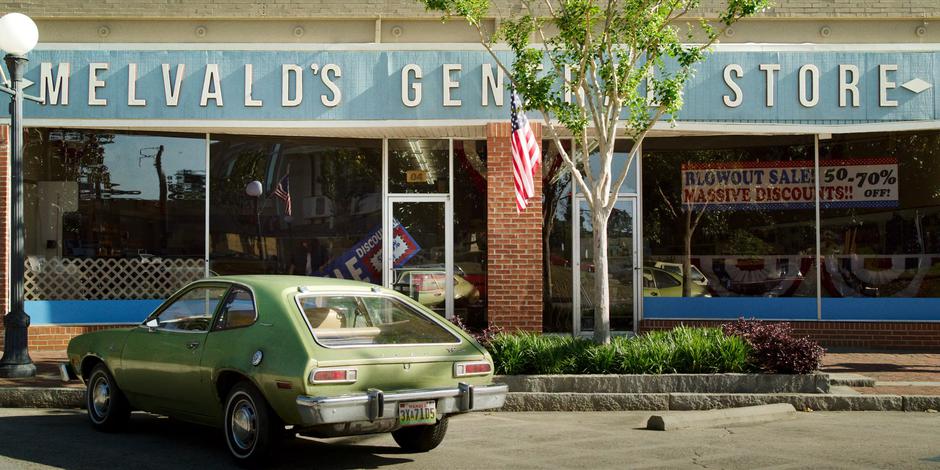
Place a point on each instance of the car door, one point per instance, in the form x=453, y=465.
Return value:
x=162, y=358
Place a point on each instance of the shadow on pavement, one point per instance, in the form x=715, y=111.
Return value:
x=64, y=439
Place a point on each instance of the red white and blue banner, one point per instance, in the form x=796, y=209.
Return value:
x=363, y=261
x=778, y=185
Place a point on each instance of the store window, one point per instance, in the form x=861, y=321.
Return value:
x=319, y=212
x=419, y=166
x=470, y=232
x=112, y=215
x=880, y=225
x=731, y=220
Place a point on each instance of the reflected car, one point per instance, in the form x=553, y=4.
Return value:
x=426, y=285
x=676, y=268
x=661, y=283
x=265, y=357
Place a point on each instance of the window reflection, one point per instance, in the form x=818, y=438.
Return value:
x=724, y=235
x=470, y=231
x=418, y=166
x=112, y=215
x=333, y=226
x=884, y=240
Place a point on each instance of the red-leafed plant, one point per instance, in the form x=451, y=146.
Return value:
x=775, y=349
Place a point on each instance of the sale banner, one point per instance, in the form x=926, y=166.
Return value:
x=363, y=261
x=790, y=184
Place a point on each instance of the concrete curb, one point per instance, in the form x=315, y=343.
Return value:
x=668, y=383
x=42, y=397
x=724, y=417
x=62, y=397
x=850, y=380
x=538, y=401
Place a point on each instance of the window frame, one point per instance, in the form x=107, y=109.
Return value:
x=218, y=313
x=191, y=287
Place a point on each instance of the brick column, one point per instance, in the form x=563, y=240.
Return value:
x=514, y=240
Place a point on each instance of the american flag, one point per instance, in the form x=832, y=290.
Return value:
x=526, y=154
x=282, y=191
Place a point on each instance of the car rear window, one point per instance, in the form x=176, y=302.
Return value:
x=369, y=321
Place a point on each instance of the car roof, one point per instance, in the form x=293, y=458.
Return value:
x=275, y=282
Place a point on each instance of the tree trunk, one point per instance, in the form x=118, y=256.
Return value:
x=687, y=259
x=601, y=284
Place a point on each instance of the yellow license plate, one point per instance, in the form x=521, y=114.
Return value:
x=413, y=413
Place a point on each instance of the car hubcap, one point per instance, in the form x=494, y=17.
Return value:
x=244, y=424
x=101, y=397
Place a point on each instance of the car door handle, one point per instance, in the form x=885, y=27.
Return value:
x=193, y=345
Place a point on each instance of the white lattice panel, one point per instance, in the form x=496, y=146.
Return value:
x=108, y=278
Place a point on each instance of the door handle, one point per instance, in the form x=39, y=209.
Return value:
x=193, y=345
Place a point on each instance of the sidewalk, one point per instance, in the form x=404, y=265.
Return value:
x=914, y=373
x=893, y=379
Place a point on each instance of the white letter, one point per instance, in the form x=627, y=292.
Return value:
x=738, y=95
x=411, y=103
x=61, y=84
x=449, y=83
x=337, y=94
x=94, y=84
x=354, y=272
x=494, y=85
x=286, y=71
x=211, y=78
x=884, y=85
x=249, y=101
x=769, y=69
x=845, y=85
x=814, y=71
x=132, y=99
x=172, y=96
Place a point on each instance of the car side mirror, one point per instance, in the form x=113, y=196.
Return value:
x=152, y=324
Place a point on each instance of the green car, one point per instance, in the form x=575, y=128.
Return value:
x=265, y=357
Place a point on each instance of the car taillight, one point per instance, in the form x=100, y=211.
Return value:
x=463, y=369
x=333, y=376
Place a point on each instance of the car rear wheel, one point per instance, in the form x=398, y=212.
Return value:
x=421, y=438
x=108, y=409
x=251, y=427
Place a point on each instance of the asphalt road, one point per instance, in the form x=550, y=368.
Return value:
x=31, y=438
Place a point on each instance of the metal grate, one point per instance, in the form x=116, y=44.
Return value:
x=108, y=278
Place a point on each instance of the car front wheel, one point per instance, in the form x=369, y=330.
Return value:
x=421, y=438
x=108, y=409
x=250, y=425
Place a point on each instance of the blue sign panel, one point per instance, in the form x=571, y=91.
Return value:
x=362, y=85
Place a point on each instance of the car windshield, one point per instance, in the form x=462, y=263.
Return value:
x=337, y=320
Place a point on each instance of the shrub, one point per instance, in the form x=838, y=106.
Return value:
x=681, y=350
x=775, y=349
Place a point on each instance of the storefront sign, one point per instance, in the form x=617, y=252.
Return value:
x=790, y=185
x=363, y=262
x=312, y=85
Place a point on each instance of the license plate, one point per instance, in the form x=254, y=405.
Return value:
x=412, y=413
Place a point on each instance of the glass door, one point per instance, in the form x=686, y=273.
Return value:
x=622, y=267
x=420, y=250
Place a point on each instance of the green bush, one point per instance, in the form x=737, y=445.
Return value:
x=681, y=350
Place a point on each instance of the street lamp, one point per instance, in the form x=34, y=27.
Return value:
x=18, y=36
x=255, y=190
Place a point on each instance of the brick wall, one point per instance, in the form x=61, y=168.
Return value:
x=869, y=335
x=413, y=9
x=514, y=240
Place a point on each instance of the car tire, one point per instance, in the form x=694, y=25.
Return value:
x=421, y=438
x=251, y=427
x=108, y=409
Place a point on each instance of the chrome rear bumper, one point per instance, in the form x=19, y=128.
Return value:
x=377, y=404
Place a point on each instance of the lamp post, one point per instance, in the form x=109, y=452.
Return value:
x=255, y=190
x=18, y=36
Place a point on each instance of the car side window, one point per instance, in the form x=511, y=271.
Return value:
x=664, y=280
x=192, y=311
x=238, y=310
